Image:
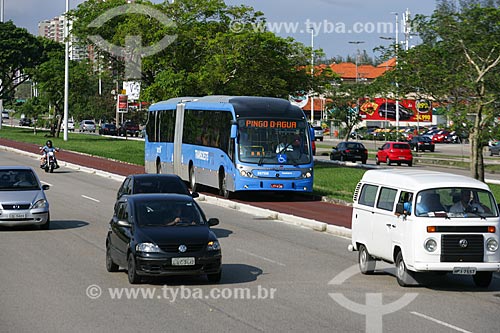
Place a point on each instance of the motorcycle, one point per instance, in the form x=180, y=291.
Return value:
x=50, y=162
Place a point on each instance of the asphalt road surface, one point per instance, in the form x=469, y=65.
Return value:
x=276, y=277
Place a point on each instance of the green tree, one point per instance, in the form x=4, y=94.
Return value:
x=458, y=64
x=218, y=49
x=21, y=53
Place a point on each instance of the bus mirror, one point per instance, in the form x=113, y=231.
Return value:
x=234, y=131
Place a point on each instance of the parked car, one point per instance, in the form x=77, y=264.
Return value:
x=87, y=126
x=25, y=122
x=5, y=115
x=71, y=125
x=318, y=133
x=494, y=149
x=162, y=235
x=22, y=198
x=394, y=152
x=153, y=183
x=389, y=110
x=349, y=151
x=129, y=128
x=108, y=129
x=421, y=143
x=440, y=137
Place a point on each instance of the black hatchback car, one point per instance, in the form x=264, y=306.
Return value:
x=349, y=151
x=421, y=143
x=153, y=183
x=162, y=235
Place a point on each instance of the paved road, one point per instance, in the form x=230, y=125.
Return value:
x=50, y=279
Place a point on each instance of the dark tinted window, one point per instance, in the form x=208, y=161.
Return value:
x=401, y=146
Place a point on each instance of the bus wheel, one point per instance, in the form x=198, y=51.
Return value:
x=192, y=180
x=223, y=187
x=158, y=167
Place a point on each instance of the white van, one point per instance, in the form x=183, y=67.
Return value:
x=426, y=221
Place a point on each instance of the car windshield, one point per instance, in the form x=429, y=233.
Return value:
x=456, y=202
x=161, y=213
x=18, y=180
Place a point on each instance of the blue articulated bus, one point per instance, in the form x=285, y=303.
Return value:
x=231, y=143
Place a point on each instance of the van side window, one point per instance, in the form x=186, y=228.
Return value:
x=368, y=195
x=386, y=198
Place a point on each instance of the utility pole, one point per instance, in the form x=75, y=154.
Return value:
x=312, y=75
x=66, y=70
x=357, y=42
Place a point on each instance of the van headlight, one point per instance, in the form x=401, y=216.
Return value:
x=430, y=245
x=147, y=247
x=492, y=244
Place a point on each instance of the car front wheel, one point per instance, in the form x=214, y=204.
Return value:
x=133, y=278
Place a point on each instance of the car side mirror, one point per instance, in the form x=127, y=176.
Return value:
x=379, y=148
x=195, y=194
x=123, y=223
x=45, y=187
x=213, y=221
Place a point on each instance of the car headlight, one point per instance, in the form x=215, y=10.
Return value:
x=42, y=203
x=147, y=247
x=492, y=244
x=430, y=245
x=213, y=246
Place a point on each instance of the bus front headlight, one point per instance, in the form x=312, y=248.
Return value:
x=430, y=245
x=308, y=174
x=492, y=244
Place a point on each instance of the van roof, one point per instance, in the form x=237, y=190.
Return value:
x=416, y=180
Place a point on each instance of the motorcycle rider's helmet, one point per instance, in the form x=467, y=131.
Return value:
x=49, y=143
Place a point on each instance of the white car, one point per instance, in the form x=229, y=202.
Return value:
x=71, y=125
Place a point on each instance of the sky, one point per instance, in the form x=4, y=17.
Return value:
x=337, y=24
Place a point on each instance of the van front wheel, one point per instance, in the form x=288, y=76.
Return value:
x=404, y=276
x=366, y=261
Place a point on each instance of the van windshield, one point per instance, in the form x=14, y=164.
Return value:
x=455, y=202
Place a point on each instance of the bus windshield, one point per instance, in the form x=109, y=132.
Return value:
x=272, y=141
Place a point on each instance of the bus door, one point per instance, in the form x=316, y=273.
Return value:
x=179, y=120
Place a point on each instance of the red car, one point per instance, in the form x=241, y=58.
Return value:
x=394, y=152
x=440, y=137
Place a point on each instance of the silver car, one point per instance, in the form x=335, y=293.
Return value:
x=87, y=126
x=22, y=198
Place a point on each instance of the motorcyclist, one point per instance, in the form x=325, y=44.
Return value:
x=45, y=150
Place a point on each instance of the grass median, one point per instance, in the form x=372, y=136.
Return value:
x=332, y=181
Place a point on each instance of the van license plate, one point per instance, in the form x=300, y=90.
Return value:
x=464, y=270
x=188, y=261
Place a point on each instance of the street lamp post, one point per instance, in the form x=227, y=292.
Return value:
x=357, y=74
x=312, y=75
x=66, y=71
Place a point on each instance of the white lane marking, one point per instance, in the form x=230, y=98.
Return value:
x=86, y=197
x=260, y=257
x=440, y=322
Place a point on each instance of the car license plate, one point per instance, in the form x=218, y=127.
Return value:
x=276, y=185
x=17, y=216
x=464, y=270
x=188, y=261
x=402, y=157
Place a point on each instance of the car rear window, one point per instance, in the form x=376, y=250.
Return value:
x=401, y=146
